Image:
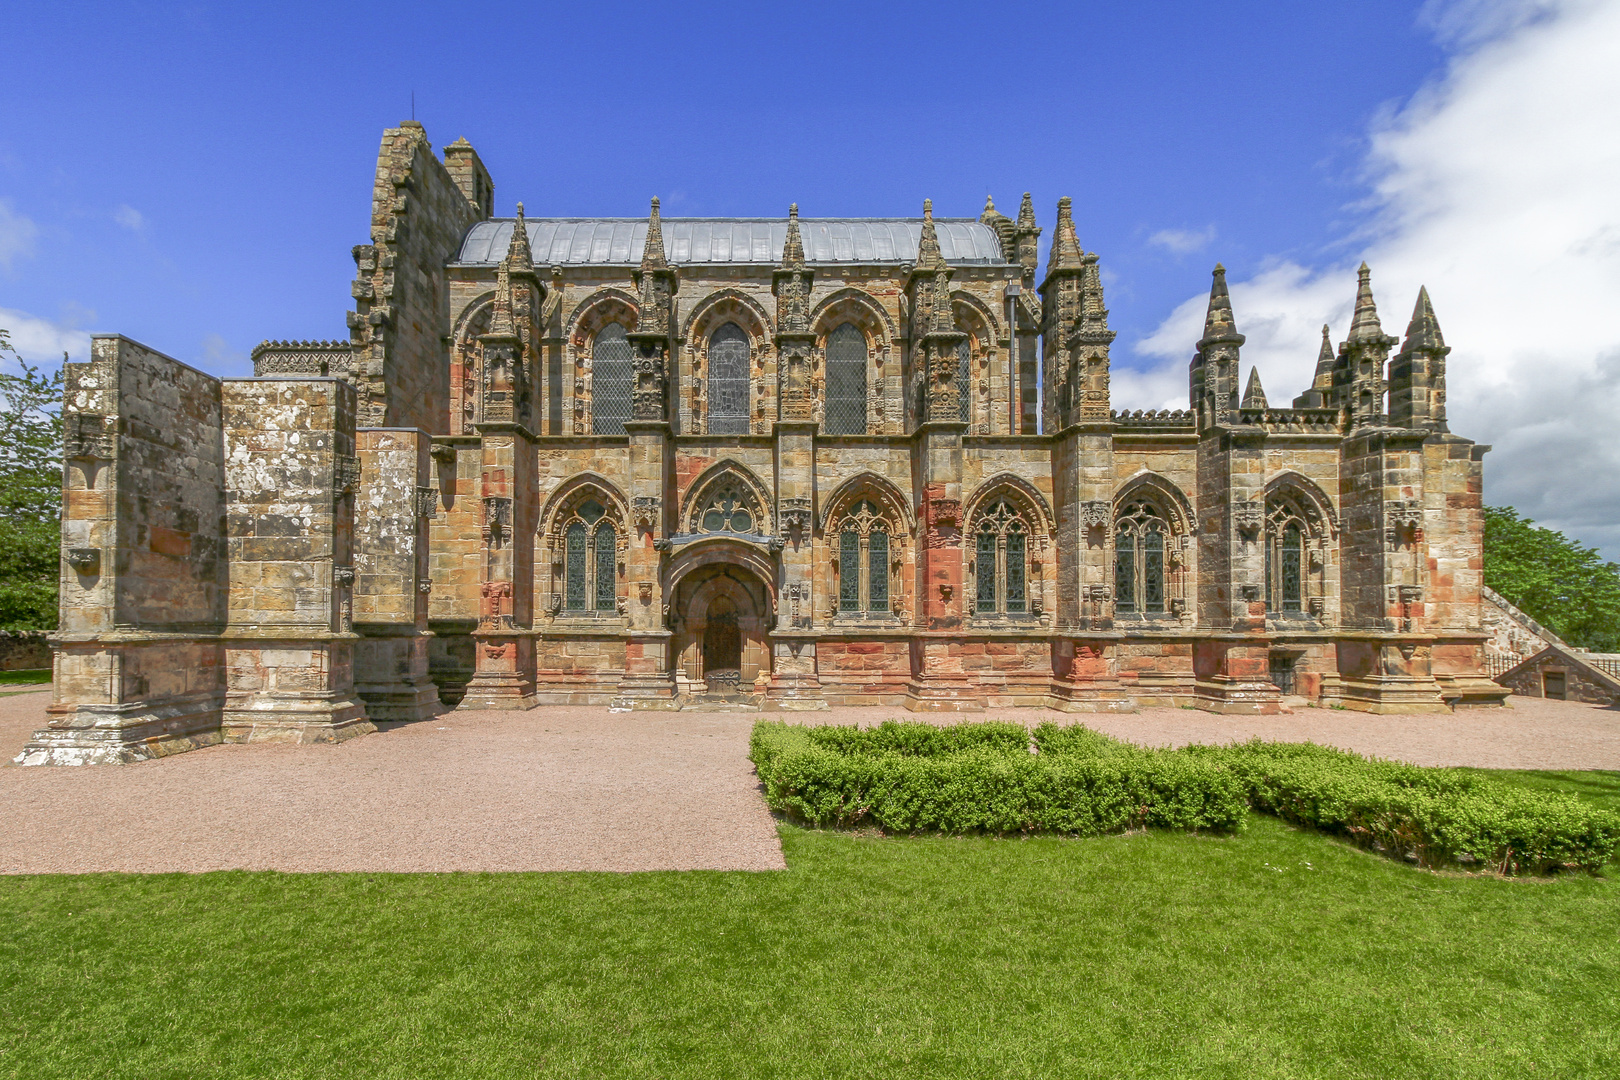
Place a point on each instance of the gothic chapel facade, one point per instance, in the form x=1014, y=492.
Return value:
x=792, y=463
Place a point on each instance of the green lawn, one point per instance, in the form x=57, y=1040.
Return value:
x=25, y=677
x=1273, y=954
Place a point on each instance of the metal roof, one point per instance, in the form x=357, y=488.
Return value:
x=618, y=241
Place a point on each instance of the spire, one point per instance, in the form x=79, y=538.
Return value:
x=1254, y=397
x=1026, y=215
x=1423, y=332
x=793, y=246
x=1364, y=326
x=500, y=313
x=928, y=255
x=1219, y=325
x=518, y=257
x=652, y=254
x=1065, y=245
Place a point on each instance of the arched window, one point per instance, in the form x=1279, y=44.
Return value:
x=863, y=561
x=604, y=568
x=846, y=381
x=1285, y=553
x=576, y=567
x=728, y=381
x=964, y=377
x=1001, y=562
x=611, y=376
x=1139, y=544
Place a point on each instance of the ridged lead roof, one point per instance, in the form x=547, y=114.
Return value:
x=618, y=241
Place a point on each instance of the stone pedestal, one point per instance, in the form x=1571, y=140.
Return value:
x=647, y=682
x=505, y=676
x=1085, y=678
x=1388, y=674
x=292, y=690
x=794, y=685
x=1233, y=675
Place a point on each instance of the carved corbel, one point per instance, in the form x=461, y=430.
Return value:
x=84, y=560
x=427, y=501
x=647, y=511
x=89, y=436
x=1249, y=516
x=497, y=520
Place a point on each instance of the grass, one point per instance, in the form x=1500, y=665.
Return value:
x=1274, y=953
x=1598, y=788
x=25, y=677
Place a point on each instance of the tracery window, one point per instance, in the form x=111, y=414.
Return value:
x=1001, y=562
x=846, y=381
x=863, y=561
x=590, y=561
x=611, y=376
x=728, y=381
x=729, y=506
x=1285, y=560
x=1141, y=536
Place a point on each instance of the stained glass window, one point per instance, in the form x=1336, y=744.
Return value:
x=984, y=564
x=1291, y=550
x=1125, y=571
x=964, y=378
x=877, y=556
x=849, y=571
x=1153, y=571
x=1015, y=573
x=728, y=381
x=575, y=587
x=606, y=577
x=846, y=381
x=611, y=376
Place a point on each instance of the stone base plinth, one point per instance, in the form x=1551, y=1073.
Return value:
x=120, y=734
x=1237, y=697
x=261, y=719
x=941, y=695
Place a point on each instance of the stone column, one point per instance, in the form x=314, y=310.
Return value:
x=795, y=683
x=939, y=682
x=504, y=641
x=648, y=682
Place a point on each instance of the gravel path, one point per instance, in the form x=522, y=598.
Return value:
x=585, y=788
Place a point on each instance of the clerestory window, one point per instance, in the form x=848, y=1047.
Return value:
x=846, y=381
x=728, y=381
x=611, y=377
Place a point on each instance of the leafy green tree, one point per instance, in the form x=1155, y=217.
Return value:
x=30, y=493
x=1559, y=582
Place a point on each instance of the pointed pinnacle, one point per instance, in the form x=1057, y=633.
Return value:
x=1219, y=324
x=518, y=255
x=500, y=314
x=1254, y=397
x=1364, y=326
x=928, y=253
x=793, y=246
x=1026, y=214
x=1423, y=332
x=1065, y=245
x=652, y=254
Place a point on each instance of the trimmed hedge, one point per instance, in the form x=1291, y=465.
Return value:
x=914, y=777
x=1434, y=817
x=1000, y=778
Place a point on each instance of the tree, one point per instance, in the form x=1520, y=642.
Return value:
x=30, y=494
x=1559, y=582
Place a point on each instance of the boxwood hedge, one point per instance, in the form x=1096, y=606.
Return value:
x=1001, y=778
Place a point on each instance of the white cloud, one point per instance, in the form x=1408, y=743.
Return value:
x=17, y=233
x=130, y=218
x=1183, y=241
x=1494, y=186
x=42, y=341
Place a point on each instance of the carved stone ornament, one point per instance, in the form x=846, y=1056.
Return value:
x=345, y=474
x=945, y=592
x=1097, y=593
x=443, y=453
x=1249, y=515
x=946, y=513
x=89, y=436
x=1410, y=594
x=646, y=511
x=662, y=544
x=497, y=519
x=555, y=607
x=1402, y=519
x=427, y=501
x=646, y=590
x=623, y=606
x=424, y=586
x=84, y=560
x=1250, y=593
x=795, y=514
x=343, y=576
x=1096, y=514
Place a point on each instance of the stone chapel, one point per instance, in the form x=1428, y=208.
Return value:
x=777, y=463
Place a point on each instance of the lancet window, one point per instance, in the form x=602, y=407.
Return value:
x=964, y=378
x=1141, y=538
x=611, y=376
x=846, y=381
x=864, y=554
x=1285, y=559
x=728, y=381
x=1001, y=561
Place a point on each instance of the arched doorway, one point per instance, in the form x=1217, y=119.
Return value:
x=722, y=646
x=722, y=614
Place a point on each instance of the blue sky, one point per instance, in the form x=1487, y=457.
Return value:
x=195, y=175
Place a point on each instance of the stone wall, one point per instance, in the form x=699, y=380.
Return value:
x=1581, y=683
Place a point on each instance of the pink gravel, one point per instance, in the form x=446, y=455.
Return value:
x=587, y=789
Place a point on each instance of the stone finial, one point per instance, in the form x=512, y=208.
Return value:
x=793, y=246
x=518, y=257
x=928, y=253
x=1026, y=215
x=1423, y=332
x=652, y=254
x=1065, y=244
x=500, y=311
x=1002, y=226
x=1254, y=396
x=1219, y=324
x=1365, y=326
x=1324, y=362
